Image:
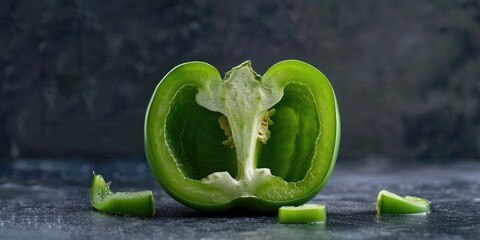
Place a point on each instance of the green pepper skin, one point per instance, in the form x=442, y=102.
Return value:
x=183, y=141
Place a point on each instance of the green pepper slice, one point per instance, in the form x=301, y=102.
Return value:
x=140, y=204
x=244, y=141
x=391, y=203
x=308, y=213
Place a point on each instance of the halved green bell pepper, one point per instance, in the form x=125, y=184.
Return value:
x=244, y=141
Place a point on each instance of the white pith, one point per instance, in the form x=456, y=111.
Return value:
x=244, y=102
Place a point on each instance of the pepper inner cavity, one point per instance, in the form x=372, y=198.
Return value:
x=263, y=131
x=192, y=134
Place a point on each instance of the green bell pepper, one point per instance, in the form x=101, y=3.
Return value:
x=244, y=141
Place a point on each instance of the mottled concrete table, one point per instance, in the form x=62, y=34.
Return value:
x=48, y=199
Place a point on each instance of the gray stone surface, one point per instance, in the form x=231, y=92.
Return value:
x=48, y=199
x=76, y=75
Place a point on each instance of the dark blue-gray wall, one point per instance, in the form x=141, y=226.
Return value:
x=76, y=76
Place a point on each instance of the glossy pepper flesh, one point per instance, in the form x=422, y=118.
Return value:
x=247, y=140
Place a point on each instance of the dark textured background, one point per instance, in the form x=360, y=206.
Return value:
x=76, y=76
